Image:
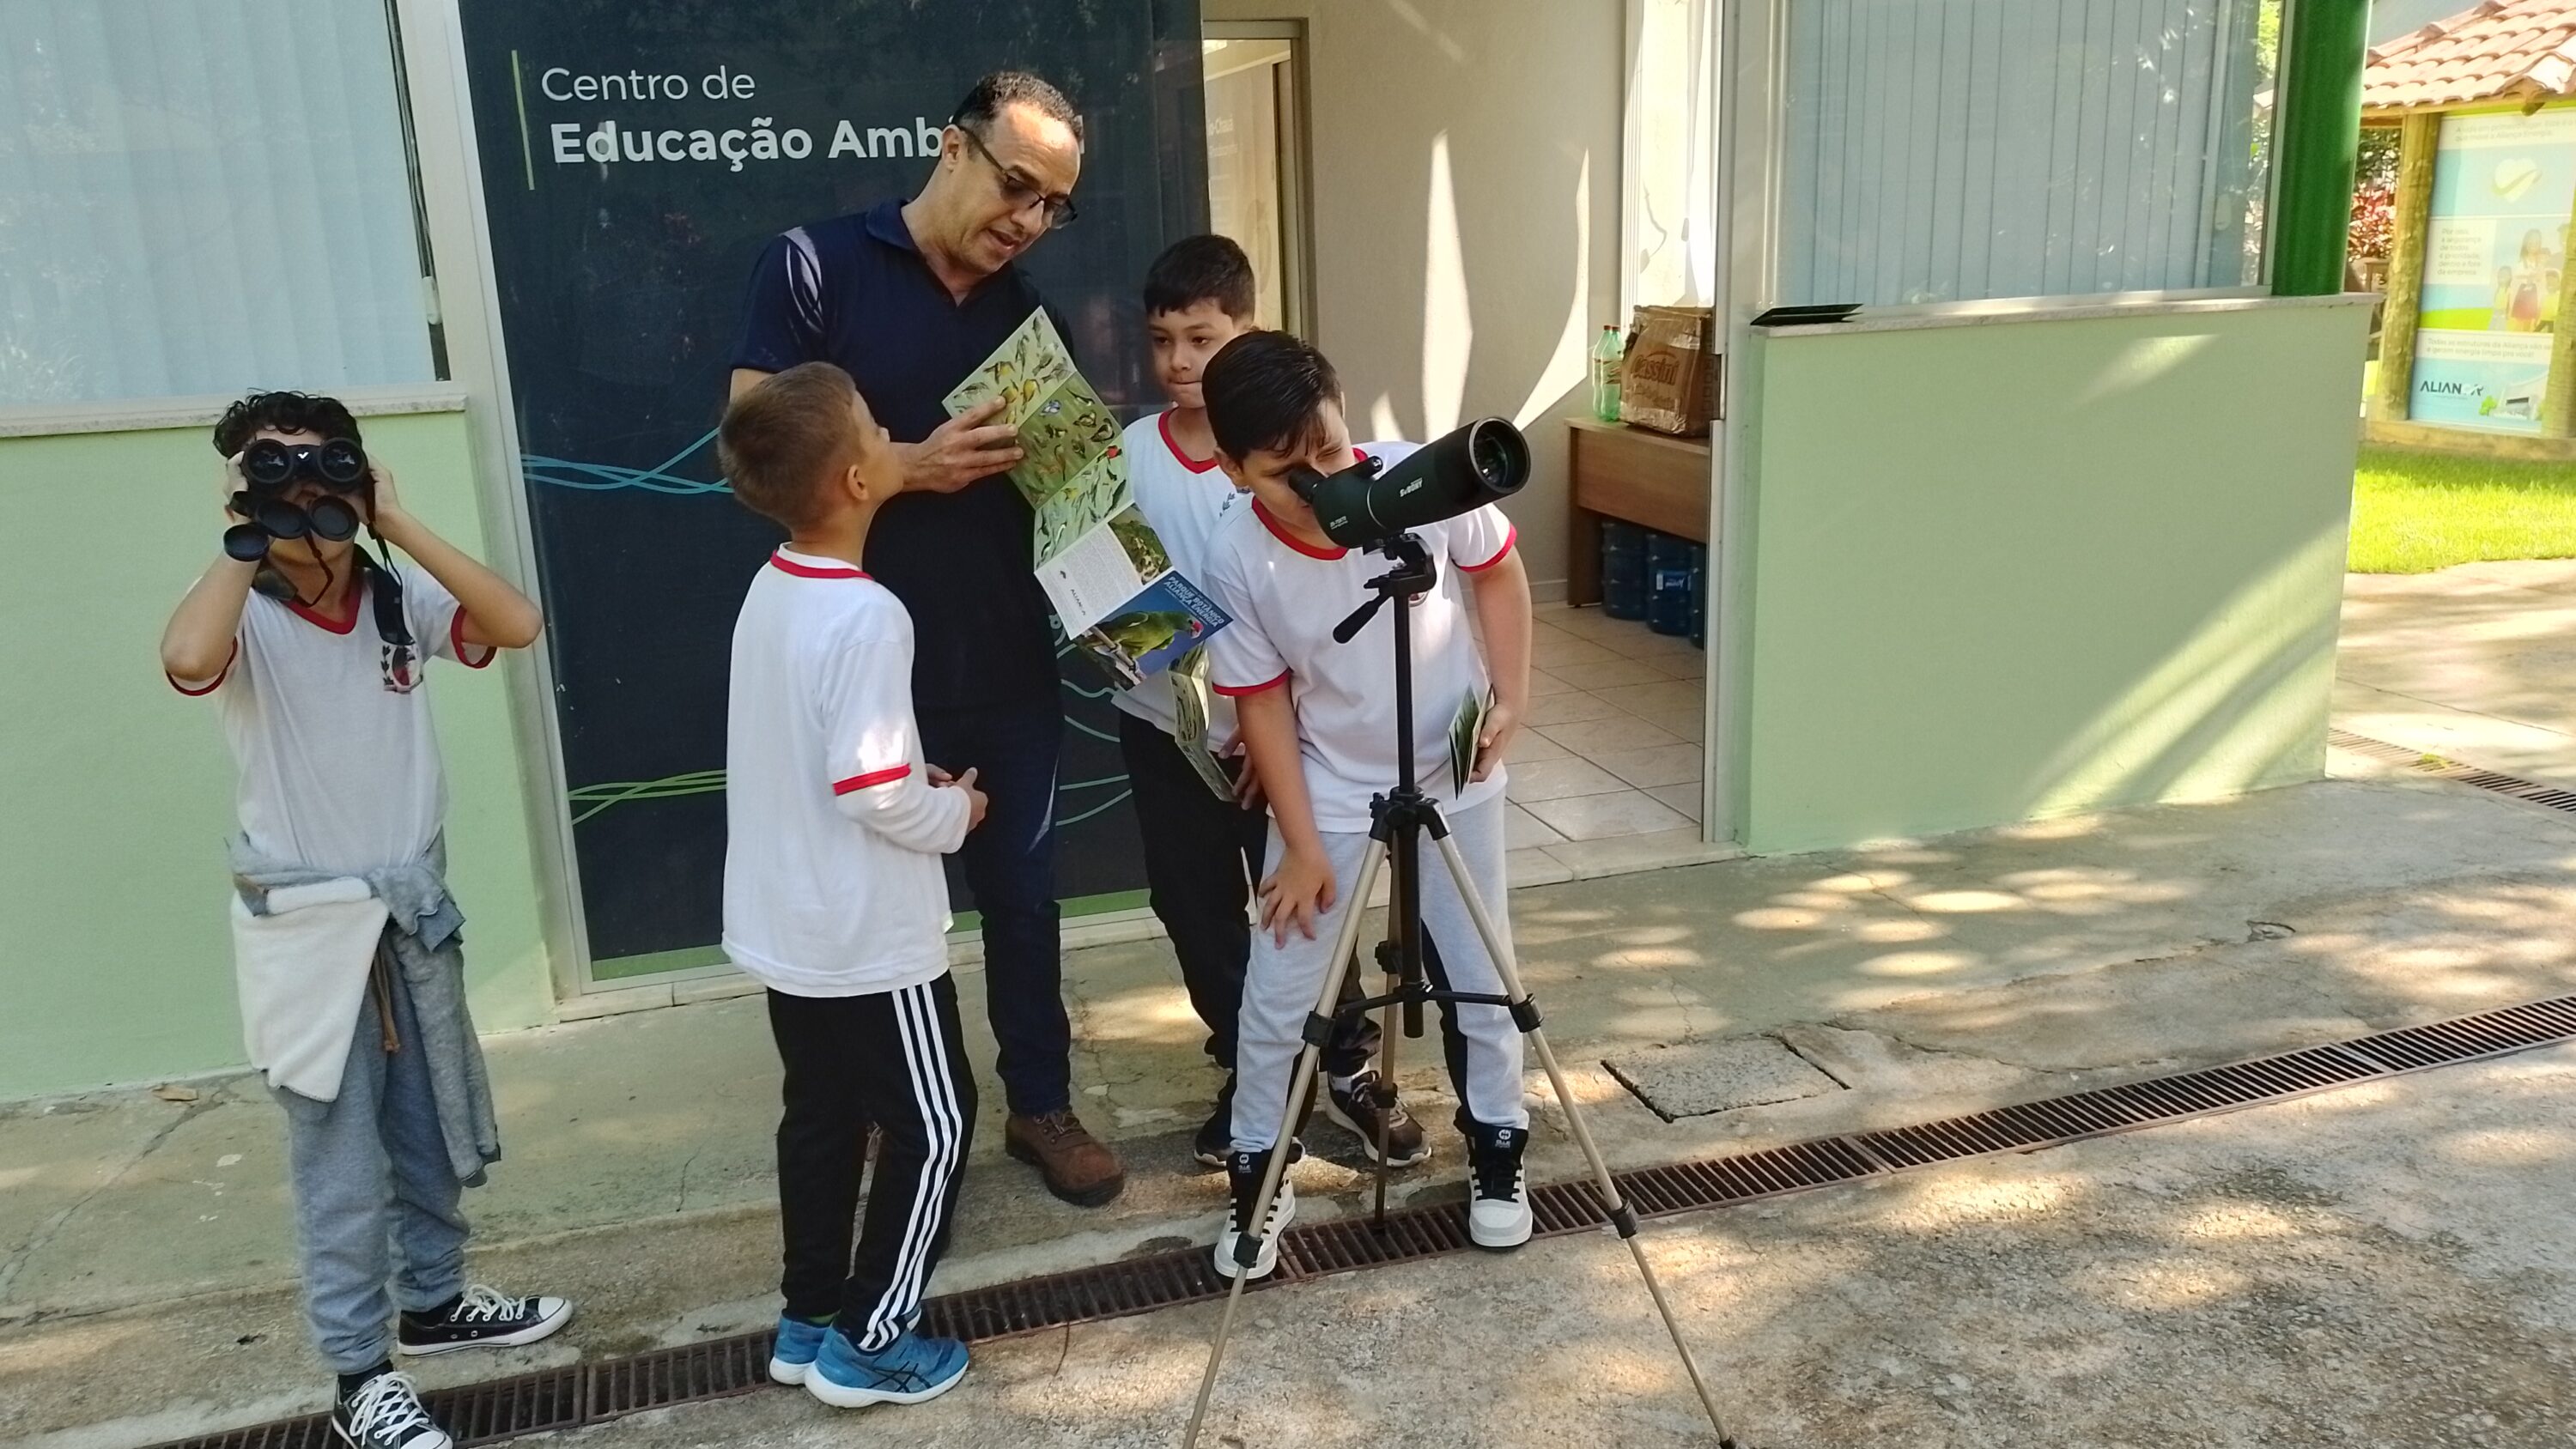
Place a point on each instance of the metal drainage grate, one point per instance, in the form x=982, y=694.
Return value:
x=2442, y=769
x=565, y=1398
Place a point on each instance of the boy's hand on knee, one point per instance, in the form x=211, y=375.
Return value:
x=1300, y=890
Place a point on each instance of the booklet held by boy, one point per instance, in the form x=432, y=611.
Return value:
x=1112, y=583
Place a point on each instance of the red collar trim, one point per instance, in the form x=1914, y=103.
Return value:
x=325, y=621
x=1280, y=532
x=1164, y=425
x=781, y=562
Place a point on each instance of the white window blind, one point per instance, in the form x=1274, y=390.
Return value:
x=203, y=196
x=1950, y=150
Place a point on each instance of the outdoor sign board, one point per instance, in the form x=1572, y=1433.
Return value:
x=635, y=156
x=2495, y=248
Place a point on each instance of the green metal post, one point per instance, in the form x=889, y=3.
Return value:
x=2317, y=137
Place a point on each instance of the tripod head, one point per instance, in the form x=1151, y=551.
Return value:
x=1411, y=578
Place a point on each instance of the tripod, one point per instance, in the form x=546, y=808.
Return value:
x=1398, y=820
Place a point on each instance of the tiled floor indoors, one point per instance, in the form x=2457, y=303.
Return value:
x=1612, y=744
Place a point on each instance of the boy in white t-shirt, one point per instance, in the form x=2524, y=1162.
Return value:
x=834, y=899
x=1317, y=718
x=1203, y=853
x=345, y=942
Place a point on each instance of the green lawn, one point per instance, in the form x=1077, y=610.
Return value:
x=2416, y=512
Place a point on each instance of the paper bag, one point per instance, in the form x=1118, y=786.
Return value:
x=1668, y=376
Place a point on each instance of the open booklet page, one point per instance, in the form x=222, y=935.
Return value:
x=1111, y=580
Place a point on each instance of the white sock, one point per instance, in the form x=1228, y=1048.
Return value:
x=1340, y=1083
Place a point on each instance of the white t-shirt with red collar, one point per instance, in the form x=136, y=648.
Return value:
x=832, y=882
x=335, y=756
x=1183, y=501
x=1286, y=596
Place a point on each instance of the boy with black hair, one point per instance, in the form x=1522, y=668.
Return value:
x=1317, y=718
x=834, y=898
x=1202, y=854
x=345, y=939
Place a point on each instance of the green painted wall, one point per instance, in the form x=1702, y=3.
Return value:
x=115, y=964
x=2035, y=568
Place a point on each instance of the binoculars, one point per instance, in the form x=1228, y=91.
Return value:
x=270, y=468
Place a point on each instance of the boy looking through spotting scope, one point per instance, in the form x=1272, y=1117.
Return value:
x=1202, y=853
x=1318, y=721
x=345, y=940
x=834, y=898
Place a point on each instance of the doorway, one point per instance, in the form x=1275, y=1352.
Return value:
x=1256, y=159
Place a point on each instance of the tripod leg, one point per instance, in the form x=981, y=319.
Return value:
x=1301, y=1080
x=1388, y=1030
x=1622, y=1217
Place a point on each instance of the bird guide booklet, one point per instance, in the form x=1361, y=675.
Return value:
x=1188, y=676
x=1115, y=591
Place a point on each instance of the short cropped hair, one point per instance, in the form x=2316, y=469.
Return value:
x=1013, y=88
x=782, y=438
x=1199, y=269
x=1265, y=391
x=284, y=412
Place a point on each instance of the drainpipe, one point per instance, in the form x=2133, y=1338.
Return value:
x=2318, y=136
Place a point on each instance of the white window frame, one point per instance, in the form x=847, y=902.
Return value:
x=431, y=41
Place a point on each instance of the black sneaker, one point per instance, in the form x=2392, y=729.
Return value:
x=385, y=1413
x=1367, y=1106
x=1498, y=1205
x=1215, y=1141
x=1243, y=1172
x=481, y=1318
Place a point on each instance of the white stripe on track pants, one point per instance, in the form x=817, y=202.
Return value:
x=893, y=1059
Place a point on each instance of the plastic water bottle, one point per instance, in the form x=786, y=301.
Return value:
x=1668, y=600
x=1605, y=376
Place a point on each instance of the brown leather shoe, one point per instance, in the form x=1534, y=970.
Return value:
x=1077, y=1166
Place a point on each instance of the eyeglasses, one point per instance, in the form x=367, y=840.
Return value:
x=1060, y=210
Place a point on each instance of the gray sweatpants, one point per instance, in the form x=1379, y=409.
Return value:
x=375, y=1193
x=1281, y=982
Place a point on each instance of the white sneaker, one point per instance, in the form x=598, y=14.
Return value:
x=1498, y=1204
x=1245, y=1169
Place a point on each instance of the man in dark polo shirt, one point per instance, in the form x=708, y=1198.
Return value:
x=908, y=297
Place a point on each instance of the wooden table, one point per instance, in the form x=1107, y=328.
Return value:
x=1616, y=471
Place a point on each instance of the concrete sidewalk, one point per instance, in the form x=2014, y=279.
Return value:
x=1928, y=979
x=146, y=1261
x=2476, y=663
x=2386, y=1265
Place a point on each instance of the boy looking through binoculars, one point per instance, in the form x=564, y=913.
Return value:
x=345, y=941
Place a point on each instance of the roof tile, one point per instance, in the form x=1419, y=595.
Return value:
x=2495, y=50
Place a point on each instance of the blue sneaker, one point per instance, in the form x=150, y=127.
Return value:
x=798, y=1342
x=907, y=1371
